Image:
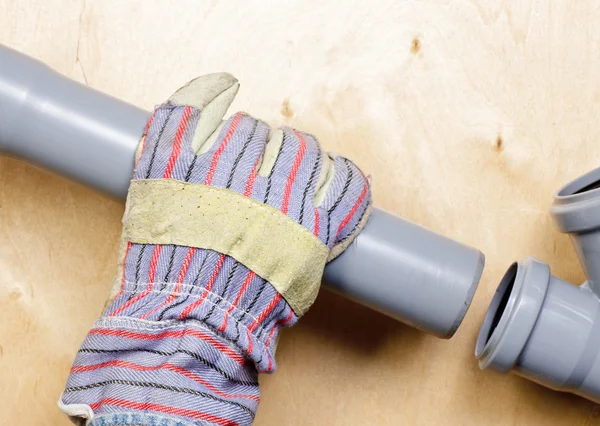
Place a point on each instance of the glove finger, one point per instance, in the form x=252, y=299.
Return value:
x=171, y=128
x=232, y=160
x=211, y=95
x=183, y=125
x=288, y=175
x=345, y=203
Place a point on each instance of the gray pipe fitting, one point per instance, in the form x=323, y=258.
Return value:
x=541, y=327
x=394, y=266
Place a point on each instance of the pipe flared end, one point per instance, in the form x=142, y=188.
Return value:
x=512, y=314
x=576, y=207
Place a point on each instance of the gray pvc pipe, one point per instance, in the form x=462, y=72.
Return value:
x=544, y=328
x=394, y=266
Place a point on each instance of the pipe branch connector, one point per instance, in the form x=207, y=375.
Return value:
x=541, y=327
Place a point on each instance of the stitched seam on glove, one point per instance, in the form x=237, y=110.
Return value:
x=259, y=236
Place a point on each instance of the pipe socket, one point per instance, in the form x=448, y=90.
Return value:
x=394, y=266
x=541, y=327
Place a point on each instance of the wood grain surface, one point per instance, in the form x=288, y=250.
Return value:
x=469, y=115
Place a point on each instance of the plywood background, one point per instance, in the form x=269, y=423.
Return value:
x=468, y=114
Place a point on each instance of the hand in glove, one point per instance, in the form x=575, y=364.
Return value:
x=227, y=229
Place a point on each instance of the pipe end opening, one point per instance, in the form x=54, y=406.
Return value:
x=582, y=185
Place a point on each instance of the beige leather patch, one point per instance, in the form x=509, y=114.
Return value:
x=275, y=247
x=212, y=94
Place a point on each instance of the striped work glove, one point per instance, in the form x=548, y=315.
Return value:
x=227, y=228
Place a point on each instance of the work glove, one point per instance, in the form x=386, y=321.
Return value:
x=227, y=229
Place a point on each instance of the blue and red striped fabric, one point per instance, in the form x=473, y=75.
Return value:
x=182, y=340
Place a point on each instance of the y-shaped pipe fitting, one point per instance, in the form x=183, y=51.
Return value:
x=544, y=328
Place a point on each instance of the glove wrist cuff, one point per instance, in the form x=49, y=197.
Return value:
x=129, y=418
